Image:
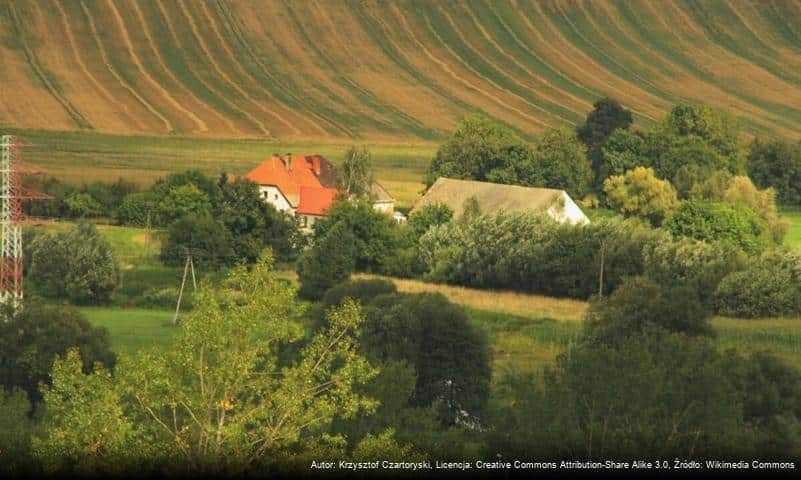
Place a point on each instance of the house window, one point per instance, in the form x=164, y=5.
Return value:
x=276, y=196
x=264, y=194
x=305, y=221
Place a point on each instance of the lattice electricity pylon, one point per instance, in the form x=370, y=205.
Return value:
x=12, y=195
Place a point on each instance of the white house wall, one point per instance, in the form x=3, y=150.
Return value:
x=274, y=197
x=569, y=212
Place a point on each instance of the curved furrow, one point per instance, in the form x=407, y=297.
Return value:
x=41, y=75
x=561, y=21
x=104, y=56
x=734, y=28
x=412, y=122
x=169, y=71
x=214, y=65
x=589, y=69
x=558, y=107
x=499, y=101
x=281, y=117
x=703, y=85
x=119, y=106
x=350, y=36
x=540, y=67
x=383, y=113
x=746, y=102
x=176, y=57
x=147, y=76
x=290, y=97
x=400, y=57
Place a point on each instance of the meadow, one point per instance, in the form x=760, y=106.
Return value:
x=526, y=332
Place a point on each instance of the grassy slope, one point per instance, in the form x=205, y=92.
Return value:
x=793, y=237
x=389, y=71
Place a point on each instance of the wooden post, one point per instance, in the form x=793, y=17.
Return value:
x=192, y=267
x=601, y=275
x=181, y=291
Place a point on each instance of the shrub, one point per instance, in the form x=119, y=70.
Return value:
x=641, y=305
x=328, y=263
x=777, y=164
x=31, y=340
x=532, y=253
x=769, y=286
x=78, y=265
x=134, y=209
x=182, y=201
x=361, y=290
x=82, y=205
x=639, y=193
x=429, y=216
x=203, y=236
x=165, y=298
x=735, y=224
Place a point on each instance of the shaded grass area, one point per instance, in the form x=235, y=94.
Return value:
x=793, y=237
x=133, y=329
x=84, y=157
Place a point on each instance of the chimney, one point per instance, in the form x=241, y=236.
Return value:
x=316, y=165
x=289, y=162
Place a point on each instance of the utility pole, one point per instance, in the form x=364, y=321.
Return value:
x=189, y=264
x=148, y=226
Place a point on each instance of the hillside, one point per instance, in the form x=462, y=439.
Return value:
x=383, y=71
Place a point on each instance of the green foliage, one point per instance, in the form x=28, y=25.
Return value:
x=562, y=161
x=134, y=209
x=82, y=205
x=16, y=427
x=641, y=305
x=202, y=235
x=639, y=193
x=717, y=129
x=623, y=151
x=481, y=149
x=220, y=401
x=86, y=431
x=770, y=285
x=355, y=173
x=254, y=224
x=696, y=264
x=762, y=202
x=373, y=232
x=532, y=253
x=31, y=339
x=363, y=291
x=428, y=216
x=182, y=201
x=736, y=224
x=78, y=265
x=162, y=187
x=681, y=152
x=777, y=164
x=328, y=263
x=606, y=116
x=449, y=355
x=658, y=395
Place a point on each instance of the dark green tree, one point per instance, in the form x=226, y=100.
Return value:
x=181, y=201
x=254, y=224
x=134, y=209
x=329, y=262
x=606, y=116
x=31, y=339
x=78, y=265
x=777, y=164
x=203, y=236
x=482, y=149
x=428, y=216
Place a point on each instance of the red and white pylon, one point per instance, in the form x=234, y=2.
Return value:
x=10, y=223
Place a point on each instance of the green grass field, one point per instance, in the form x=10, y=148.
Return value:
x=82, y=157
x=793, y=237
x=133, y=329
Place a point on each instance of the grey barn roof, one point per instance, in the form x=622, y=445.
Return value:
x=492, y=197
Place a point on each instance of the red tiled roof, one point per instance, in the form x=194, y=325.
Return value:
x=316, y=200
x=274, y=172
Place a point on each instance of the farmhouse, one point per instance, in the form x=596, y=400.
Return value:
x=306, y=186
x=494, y=197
